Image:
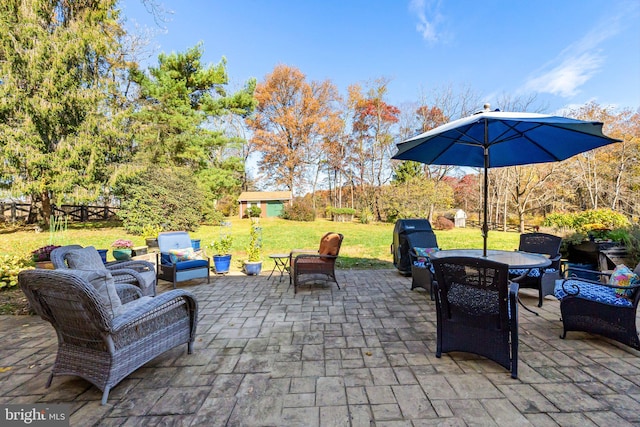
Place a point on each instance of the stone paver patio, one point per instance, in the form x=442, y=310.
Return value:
x=360, y=356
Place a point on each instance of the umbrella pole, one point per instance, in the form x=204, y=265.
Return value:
x=485, y=224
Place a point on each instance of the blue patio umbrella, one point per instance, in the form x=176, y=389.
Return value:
x=491, y=139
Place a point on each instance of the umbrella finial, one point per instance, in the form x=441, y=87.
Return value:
x=487, y=107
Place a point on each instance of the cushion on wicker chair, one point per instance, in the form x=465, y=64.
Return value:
x=590, y=291
x=87, y=258
x=623, y=276
x=185, y=254
x=530, y=272
x=425, y=252
x=330, y=244
x=422, y=259
x=132, y=305
x=192, y=263
x=104, y=284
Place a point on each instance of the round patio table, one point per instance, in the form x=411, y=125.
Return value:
x=514, y=259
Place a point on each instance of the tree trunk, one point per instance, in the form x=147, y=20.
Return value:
x=46, y=208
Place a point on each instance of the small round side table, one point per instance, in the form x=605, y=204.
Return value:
x=281, y=264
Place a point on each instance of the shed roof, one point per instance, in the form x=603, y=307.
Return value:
x=254, y=196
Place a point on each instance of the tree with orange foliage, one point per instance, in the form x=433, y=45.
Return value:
x=292, y=120
x=372, y=137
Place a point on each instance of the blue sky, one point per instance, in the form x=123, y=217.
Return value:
x=568, y=52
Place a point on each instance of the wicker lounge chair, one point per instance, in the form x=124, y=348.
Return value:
x=312, y=265
x=99, y=340
x=595, y=307
x=136, y=272
x=476, y=310
x=541, y=279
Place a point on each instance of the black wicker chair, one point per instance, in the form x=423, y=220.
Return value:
x=422, y=275
x=477, y=309
x=541, y=279
x=592, y=306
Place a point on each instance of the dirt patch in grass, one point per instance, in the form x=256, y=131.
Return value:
x=13, y=302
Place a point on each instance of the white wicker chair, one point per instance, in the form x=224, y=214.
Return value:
x=95, y=344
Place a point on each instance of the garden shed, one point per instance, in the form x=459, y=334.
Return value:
x=270, y=202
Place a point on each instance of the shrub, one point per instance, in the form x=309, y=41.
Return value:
x=298, y=211
x=366, y=216
x=10, y=266
x=169, y=197
x=151, y=231
x=443, y=223
x=214, y=217
x=254, y=212
x=340, y=211
x=633, y=247
x=227, y=205
x=586, y=221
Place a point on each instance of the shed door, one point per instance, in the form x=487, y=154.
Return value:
x=274, y=208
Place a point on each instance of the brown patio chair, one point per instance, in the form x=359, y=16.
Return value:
x=307, y=266
x=476, y=309
x=105, y=330
x=541, y=279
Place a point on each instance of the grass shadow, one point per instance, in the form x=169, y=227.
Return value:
x=363, y=263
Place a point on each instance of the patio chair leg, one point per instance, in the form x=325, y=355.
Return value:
x=105, y=395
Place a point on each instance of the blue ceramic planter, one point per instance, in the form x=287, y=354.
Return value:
x=252, y=268
x=221, y=263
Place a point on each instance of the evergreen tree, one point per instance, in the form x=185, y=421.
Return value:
x=179, y=99
x=57, y=68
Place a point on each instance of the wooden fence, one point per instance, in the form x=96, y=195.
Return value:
x=13, y=212
x=498, y=226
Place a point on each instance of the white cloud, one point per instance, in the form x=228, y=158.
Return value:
x=577, y=63
x=566, y=78
x=428, y=18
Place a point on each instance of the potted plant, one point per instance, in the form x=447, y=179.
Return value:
x=122, y=249
x=150, y=233
x=222, y=253
x=253, y=264
x=42, y=256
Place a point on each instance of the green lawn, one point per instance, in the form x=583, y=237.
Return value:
x=364, y=245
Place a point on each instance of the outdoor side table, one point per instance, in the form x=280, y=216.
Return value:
x=281, y=264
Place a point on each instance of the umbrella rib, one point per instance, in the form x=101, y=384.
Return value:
x=520, y=134
x=452, y=141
